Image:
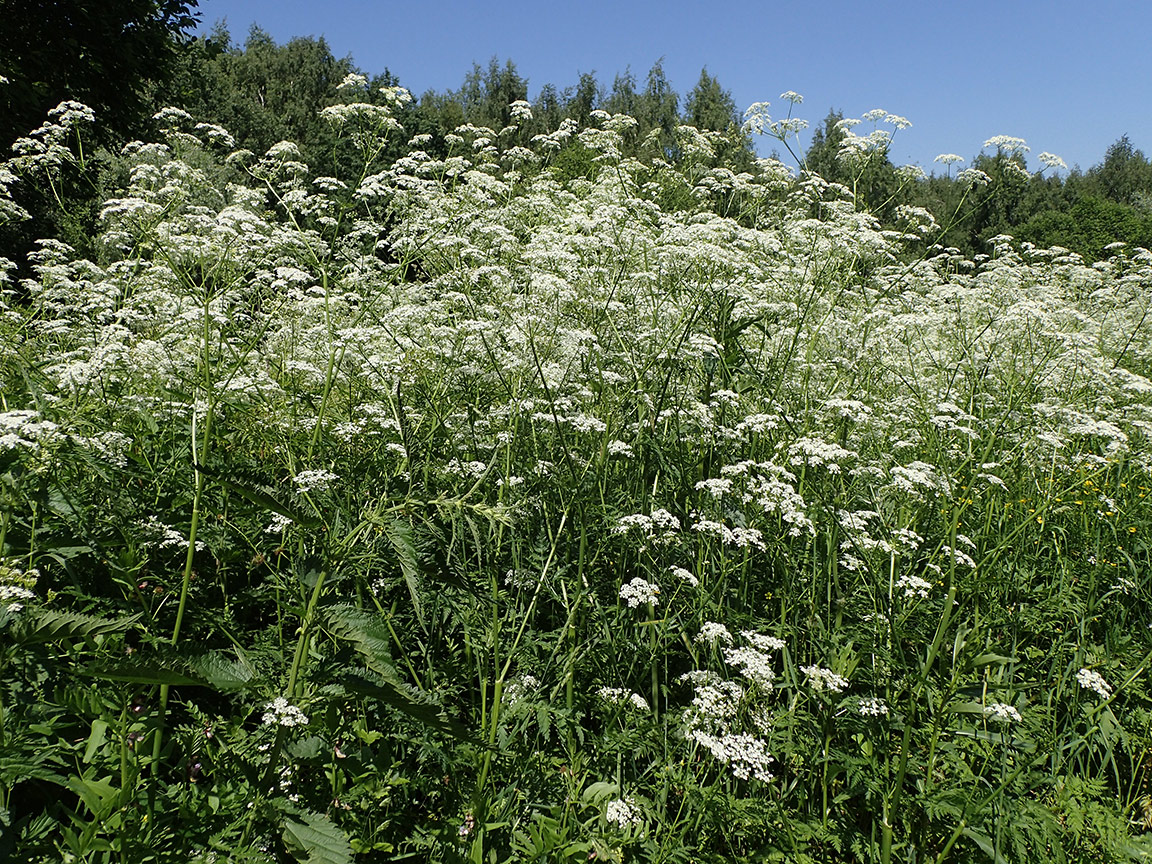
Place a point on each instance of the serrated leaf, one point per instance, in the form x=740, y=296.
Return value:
x=985, y=844
x=261, y=498
x=47, y=625
x=367, y=633
x=315, y=839
x=222, y=673
x=15, y=769
x=208, y=669
x=400, y=536
x=407, y=701
x=142, y=673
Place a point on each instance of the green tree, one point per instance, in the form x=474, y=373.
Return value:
x=822, y=156
x=486, y=94
x=264, y=92
x=108, y=54
x=623, y=99
x=1088, y=227
x=710, y=106
x=584, y=99
x=1125, y=175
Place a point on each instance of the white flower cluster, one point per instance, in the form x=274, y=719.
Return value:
x=25, y=429
x=13, y=597
x=918, y=479
x=739, y=537
x=684, y=576
x=872, y=707
x=717, y=487
x=770, y=486
x=753, y=665
x=638, y=591
x=618, y=695
x=711, y=633
x=16, y=587
x=913, y=586
x=315, y=480
x=622, y=813
x=279, y=523
x=620, y=448
x=999, y=712
x=820, y=679
x=816, y=452
x=156, y=533
x=465, y=469
x=1092, y=680
x=518, y=689
x=714, y=703
x=763, y=641
x=660, y=526
x=279, y=712
x=746, y=755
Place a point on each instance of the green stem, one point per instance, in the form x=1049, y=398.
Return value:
x=197, y=461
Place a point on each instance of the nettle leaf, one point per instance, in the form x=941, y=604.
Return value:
x=261, y=497
x=24, y=766
x=402, y=539
x=315, y=839
x=209, y=669
x=48, y=625
x=406, y=700
x=369, y=636
x=367, y=633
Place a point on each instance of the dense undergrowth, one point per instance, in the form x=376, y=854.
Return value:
x=490, y=508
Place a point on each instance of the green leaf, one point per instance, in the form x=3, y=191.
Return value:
x=985, y=844
x=315, y=839
x=400, y=535
x=96, y=738
x=99, y=796
x=176, y=669
x=261, y=498
x=368, y=634
x=142, y=673
x=49, y=625
x=988, y=659
x=13, y=769
x=407, y=701
x=222, y=673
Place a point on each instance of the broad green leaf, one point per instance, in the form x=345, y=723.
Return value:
x=142, y=673
x=48, y=625
x=210, y=669
x=315, y=839
x=406, y=701
x=99, y=796
x=96, y=738
x=985, y=844
x=261, y=498
x=400, y=535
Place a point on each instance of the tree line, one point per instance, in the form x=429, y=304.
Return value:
x=129, y=58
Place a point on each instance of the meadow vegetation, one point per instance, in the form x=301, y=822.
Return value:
x=563, y=496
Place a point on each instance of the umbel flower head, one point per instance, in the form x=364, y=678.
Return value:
x=280, y=712
x=999, y=712
x=1090, y=679
x=638, y=591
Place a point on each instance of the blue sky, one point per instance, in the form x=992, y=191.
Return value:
x=1069, y=77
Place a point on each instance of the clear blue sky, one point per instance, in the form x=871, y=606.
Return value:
x=1069, y=77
